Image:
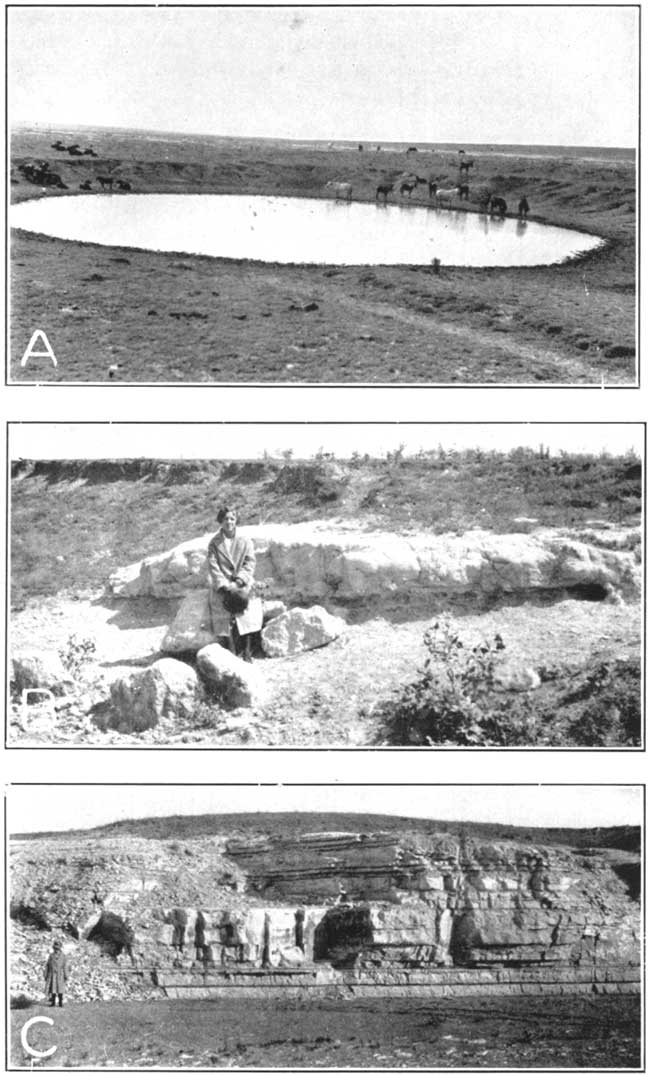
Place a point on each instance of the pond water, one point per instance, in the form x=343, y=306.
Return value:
x=299, y=230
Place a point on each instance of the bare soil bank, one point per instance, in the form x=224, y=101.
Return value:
x=598, y=1032
x=192, y=319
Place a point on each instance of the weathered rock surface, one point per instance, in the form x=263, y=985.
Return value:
x=388, y=909
x=41, y=669
x=236, y=682
x=191, y=628
x=306, y=562
x=300, y=629
x=167, y=689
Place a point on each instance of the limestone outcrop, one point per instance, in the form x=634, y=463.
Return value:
x=379, y=909
x=305, y=563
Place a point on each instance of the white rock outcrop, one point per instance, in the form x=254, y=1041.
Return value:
x=237, y=683
x=167, y=689
x=300, y=629
x=308, y=562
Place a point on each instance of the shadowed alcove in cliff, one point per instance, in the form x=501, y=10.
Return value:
x=342, y=933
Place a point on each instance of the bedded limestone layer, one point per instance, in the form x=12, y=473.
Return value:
x=382, y=909
x=308, y=563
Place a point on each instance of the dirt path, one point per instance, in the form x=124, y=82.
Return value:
x=568, y=369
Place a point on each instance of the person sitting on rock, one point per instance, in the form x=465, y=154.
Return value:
x=231, y=563
x=56, y=974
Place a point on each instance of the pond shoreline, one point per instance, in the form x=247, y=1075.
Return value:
x=573, y=322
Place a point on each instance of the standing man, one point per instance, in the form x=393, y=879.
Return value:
x=231, y=562
x=56, y=974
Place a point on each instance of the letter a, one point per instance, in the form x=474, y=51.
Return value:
x=37, y=335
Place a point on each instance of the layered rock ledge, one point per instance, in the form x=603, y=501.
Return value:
x=306, y=562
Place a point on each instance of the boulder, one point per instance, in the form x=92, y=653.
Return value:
x=167, y=689
x=300, y=629
x=42, y=668
x=235, y=681
x=514, y=677
x=191, y=628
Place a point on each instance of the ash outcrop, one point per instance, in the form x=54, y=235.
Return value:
x=359, y=912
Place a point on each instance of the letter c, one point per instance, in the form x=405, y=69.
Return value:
x=23, y=1037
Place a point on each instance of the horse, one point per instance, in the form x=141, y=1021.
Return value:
x=89, y=153
x=105, y=181
x=385, y=189
x=463, y=191
x=497, y=205
x=123, y=185
x=465, y=166
x=58, y=145
x=74, y=150
x=523, y=208
x=341, y=190
x=409, y=183
x=445, y=195
x=86, y=185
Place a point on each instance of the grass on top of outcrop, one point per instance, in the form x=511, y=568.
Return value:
x=293, y=824
x=75, y=522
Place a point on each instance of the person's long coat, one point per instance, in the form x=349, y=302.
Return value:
x=56, y=973
x=224, y=567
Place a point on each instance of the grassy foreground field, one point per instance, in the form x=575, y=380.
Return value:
x=512, y=1033
x=195, y=319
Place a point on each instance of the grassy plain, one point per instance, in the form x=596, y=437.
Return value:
x=490, y=1033
x=201, y=319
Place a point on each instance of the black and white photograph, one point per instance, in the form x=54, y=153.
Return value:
x=330, y=927
x=343, y=585
x=378, y=195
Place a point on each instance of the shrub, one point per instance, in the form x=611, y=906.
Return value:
x=77, y=654
x=20, y=1001
x=454, y=700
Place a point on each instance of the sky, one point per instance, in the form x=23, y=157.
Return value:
x=243, y=441
x=70, y=806
x=558, y=75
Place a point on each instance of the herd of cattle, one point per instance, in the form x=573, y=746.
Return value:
x=41, y=174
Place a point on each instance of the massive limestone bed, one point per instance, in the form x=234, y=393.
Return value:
x=344, y=606
x=380, y=912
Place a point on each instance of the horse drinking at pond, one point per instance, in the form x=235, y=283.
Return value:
x=341, y=190
x=383, y=189
x=445, y=195
x=497, y=207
